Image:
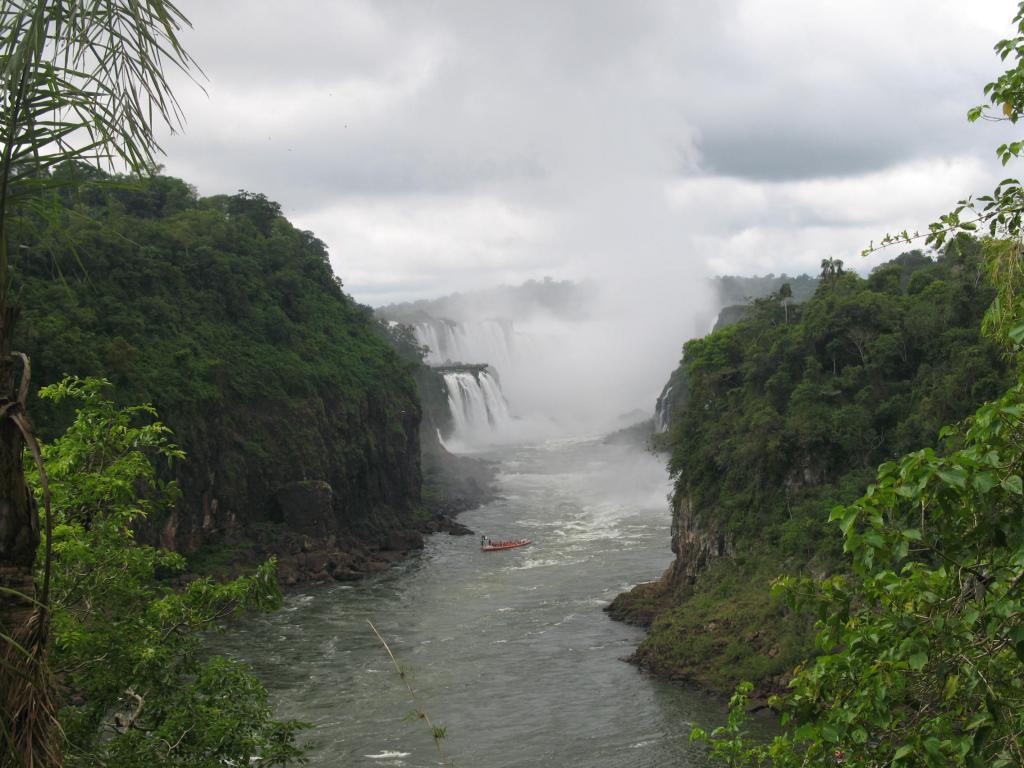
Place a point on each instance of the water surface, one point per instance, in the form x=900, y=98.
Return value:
x=509, y=651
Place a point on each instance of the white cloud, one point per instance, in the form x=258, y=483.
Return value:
x=441, y=243
x=451, y=145
x=748, y=226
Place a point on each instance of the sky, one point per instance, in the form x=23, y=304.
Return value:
x=445, y=145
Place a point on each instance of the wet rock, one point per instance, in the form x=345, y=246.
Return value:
x=307, y=507
x=403, y=540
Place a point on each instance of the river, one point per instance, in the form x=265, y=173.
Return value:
x=509, y=651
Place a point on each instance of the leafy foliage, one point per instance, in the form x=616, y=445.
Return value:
x=787, y=412
x=81, y=83
x=183, y=300
x=230, y=321
x=792, y=404
x=922, y=641
x=127, y=644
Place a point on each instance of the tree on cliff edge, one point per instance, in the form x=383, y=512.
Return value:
x=921, y=642
x=83, y=81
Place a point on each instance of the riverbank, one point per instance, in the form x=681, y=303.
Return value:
x=452, y=485
x=302, y=559
x=721, y=630
x=510, y=644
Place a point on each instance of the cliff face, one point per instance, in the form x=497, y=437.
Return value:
x=331, y=471
x=299, y=421
x=696, y=542
x=787, y=412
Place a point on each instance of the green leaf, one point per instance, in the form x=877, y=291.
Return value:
x=874, y=540
x=1013, y=484
x=1017, y=333
x=906, y=749
x=950, y=688
x=983, y=482
x=917, y=660
x=956, y=476
x=848, y=519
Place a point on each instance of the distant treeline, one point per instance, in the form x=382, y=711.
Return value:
x=561, y=298
x=734, y=289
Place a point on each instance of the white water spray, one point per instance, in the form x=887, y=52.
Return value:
x=662, y=411
x=477, y=405
x=484, y=341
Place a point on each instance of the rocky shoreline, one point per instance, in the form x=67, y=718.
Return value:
x=716, y=632
x=357, y=560
x=452, y=485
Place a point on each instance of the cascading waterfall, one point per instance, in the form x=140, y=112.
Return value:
x=485, y=341
x=477, y=405
x=475, y=398
x=662, y=411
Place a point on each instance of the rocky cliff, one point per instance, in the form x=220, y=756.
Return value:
x=300, y=422
x=336, y=485
x=788, y=410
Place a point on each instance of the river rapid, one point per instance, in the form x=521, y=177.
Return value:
x=509, y=651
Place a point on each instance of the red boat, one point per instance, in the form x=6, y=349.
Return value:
x=495, y=546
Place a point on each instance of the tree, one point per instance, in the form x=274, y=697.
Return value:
x=82, y=81
x=786, y=298
x=127, y=640
x=831, y=269
x=921, y=642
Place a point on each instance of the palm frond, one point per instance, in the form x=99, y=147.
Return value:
x=83, y=81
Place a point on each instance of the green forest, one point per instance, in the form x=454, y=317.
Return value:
x=786, y=413
x=886, y=632
x=783, y=404
x=229, y=321
x=193, y=412
x=292, y=430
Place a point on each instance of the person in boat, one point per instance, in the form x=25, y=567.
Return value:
x=483, y=540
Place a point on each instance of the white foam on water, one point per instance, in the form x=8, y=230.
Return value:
x=530, y=564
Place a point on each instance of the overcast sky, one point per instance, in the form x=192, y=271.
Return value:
x=440, y=146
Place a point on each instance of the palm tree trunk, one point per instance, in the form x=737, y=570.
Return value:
x=19, y=525
x=20, y=675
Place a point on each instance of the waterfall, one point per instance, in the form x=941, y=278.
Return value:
x=477, y=405
x=663, y=411
x=484, y=341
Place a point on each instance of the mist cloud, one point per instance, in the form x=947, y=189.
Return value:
x=458, y=145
